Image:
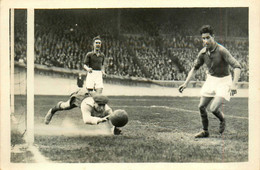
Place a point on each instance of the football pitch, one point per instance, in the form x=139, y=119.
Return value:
x=160, y=129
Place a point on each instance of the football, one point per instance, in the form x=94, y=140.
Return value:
x=119, y=118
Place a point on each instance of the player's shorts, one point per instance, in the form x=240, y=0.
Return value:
x=94, y=80
x=217, y=86
x=77, y=97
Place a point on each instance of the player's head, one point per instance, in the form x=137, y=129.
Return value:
x=97, y=43
x=207, y=35
x=207, y=29
x=100, y=102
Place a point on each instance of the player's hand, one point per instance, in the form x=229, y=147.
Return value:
x=89, y=70
x=104, y=74
x=233, y=90
x=182, y=87
x=107, y=117
x=101, y=120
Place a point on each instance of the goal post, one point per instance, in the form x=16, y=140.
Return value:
x=30, y=77
x=22, y=80
x=12, y=61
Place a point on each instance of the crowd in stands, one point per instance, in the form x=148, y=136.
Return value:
x=166, y=55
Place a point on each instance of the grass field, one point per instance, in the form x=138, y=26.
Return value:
x=160, y=129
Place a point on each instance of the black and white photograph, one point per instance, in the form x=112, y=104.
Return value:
x=129, y=85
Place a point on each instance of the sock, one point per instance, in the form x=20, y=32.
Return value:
x=219, y=115
x=56, y=108
x=204, y=118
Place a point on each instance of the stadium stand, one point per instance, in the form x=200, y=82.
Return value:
x=135, y=45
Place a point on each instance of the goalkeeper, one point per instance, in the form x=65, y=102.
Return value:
x=94, y=108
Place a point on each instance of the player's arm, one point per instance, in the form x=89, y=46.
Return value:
x=86, y=63
x=103, y=66
x=237, y=69
x=190, y=75
x=103, y=70
x=108, y=111
x=198, y=63
x=233, y=87
x=87, y=118
x=89, y=69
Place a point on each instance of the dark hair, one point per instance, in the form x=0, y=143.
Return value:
x=207, y=29
x=96, y=38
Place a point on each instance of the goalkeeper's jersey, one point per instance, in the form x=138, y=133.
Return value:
x=90, y=101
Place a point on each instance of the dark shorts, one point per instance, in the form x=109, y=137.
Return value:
x=77, y=97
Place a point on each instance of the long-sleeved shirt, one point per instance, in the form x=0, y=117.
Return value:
x=90, y=114
x=217, y=61
x=94, y=60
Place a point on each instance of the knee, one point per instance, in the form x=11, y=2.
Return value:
x=202, y=108
x=213, y=109
x=64, y=105
x=203, y=111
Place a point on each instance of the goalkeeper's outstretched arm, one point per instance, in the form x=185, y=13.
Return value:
x=88, y=119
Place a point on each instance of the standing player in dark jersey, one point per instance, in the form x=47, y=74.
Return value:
x=219, y=85
x=94, y=64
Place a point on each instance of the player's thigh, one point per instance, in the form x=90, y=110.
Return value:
x=204, y=101
x=99, y=80
x=207, y=89
x=223, y=91
x=90, y=81
x=99, y=90
x=222, y=87
x=216, y=103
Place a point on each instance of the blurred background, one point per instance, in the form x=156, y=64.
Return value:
x=143, y=46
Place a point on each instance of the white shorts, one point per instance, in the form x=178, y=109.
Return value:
x=94, y=80
x=217, y=86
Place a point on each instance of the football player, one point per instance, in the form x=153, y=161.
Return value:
x=74, y=100
x=94, y=65
x=94, y=108
x=219, y=85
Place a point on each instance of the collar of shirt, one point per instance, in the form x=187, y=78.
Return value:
x=206, y=51
x=97, y=53
x=214, y=47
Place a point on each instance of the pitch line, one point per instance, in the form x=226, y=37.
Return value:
x=38, y=157
x=178, y=109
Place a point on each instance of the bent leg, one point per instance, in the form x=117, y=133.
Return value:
x=215, y=108
x=59, y=106
x=51, y=112
x=204, y=102
x=63, y=106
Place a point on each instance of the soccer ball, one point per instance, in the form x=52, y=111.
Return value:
x=119, y=118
